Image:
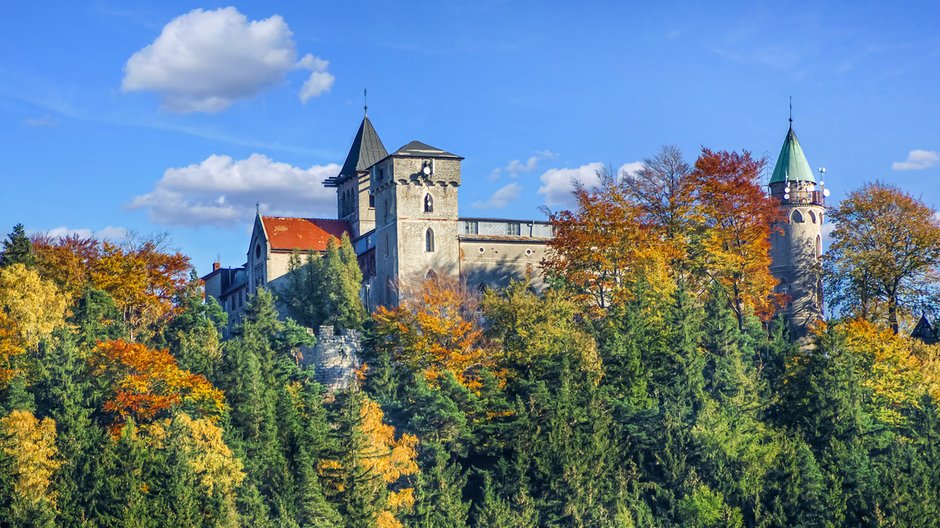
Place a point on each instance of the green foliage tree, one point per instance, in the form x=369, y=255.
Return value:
x=17, y=249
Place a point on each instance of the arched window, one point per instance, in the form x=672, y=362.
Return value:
x=812, y=217
x=797, y=217
x=818, y=247
x=429, y=240
x=431, y=275
x=428, y=203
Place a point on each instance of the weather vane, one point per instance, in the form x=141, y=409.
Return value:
x=365, y=102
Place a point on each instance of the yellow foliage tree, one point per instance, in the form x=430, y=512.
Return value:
x=10, y=346
x=435, y=330
x=895, y=378
x=29, y=444
x=34, y=304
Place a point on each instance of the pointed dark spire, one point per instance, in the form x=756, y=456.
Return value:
x=366, y=149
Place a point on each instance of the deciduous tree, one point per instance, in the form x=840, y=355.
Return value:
x=884, y=253
x=737, y=217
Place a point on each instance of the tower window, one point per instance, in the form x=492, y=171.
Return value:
x=429, y=240
x=514, y=228
x=371, y=201
x=428, y=203
x=797, y=217
x=812, y=217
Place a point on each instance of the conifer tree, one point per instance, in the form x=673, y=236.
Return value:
x=17, y=249
x=439, y=493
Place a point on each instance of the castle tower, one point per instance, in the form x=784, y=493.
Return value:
x=416, y=234
x=354, y=200
x=797, y=248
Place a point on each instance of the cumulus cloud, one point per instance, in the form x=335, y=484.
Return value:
x=203, y=61
x=111, y=233
x=516, y=167
x=917, y=159
x=222, y=191
x=628, y=170
x=558, y=184
x=501, y=198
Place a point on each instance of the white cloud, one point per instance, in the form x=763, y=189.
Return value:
x=501, y=198
x=557, y=184
x=203, y=61
x=628, y=170
x=44, y=121
x=917, y=159
x=111, y=233
x=515, y=167
x=221, y=191
x=318, y=84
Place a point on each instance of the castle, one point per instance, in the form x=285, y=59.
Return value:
x=400, y=211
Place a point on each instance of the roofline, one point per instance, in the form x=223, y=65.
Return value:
x=504, y=238
x=485, y=219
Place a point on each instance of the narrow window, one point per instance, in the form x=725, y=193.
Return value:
x=428, y=203
x=371, y=201
x=797, y=217
x=429, y=240
x=472, y=227
x=812, y=217
x=818, y=247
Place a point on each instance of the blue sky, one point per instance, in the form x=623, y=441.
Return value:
x=154, y=117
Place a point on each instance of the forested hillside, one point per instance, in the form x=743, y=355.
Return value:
x=649, y=385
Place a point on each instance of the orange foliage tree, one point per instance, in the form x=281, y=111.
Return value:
x=736, y=218
x=604, y=245
x=147, y=384
x=142, y=276
x=435, y=330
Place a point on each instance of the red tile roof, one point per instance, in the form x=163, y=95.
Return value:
x=302, y=234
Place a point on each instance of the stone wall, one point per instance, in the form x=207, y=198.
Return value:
x=335, y=357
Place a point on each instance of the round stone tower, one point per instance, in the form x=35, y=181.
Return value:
x=796, y=247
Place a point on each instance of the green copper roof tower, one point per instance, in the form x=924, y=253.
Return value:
x=791, y=163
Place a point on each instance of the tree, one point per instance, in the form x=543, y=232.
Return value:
x=736, y=217
x=435, y=330
x=884, y=251
x=34, y=304
x=325, y=289
x=146, y=384
x=604, y=246
x=29, y=462
x=662, y=190
x=17, y=249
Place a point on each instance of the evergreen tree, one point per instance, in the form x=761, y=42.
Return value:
x=17, y=249
x=439, y=493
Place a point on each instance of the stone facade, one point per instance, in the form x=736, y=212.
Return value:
x=335, y=357
x=796, y=247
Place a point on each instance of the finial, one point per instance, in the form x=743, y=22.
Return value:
x=791, y=111
x=258, y=208
x=365, y=102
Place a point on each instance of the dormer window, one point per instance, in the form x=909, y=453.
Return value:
x=428, y=203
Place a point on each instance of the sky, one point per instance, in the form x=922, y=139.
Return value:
x=170, y=117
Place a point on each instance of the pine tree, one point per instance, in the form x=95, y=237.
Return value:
x=17, y=249
x=439, y=493
x=341, y=281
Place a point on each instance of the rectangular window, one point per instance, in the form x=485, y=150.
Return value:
x=371, y=201
x=472, y=227
x=515, y=228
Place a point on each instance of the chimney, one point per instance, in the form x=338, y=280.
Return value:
x=216, y=265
